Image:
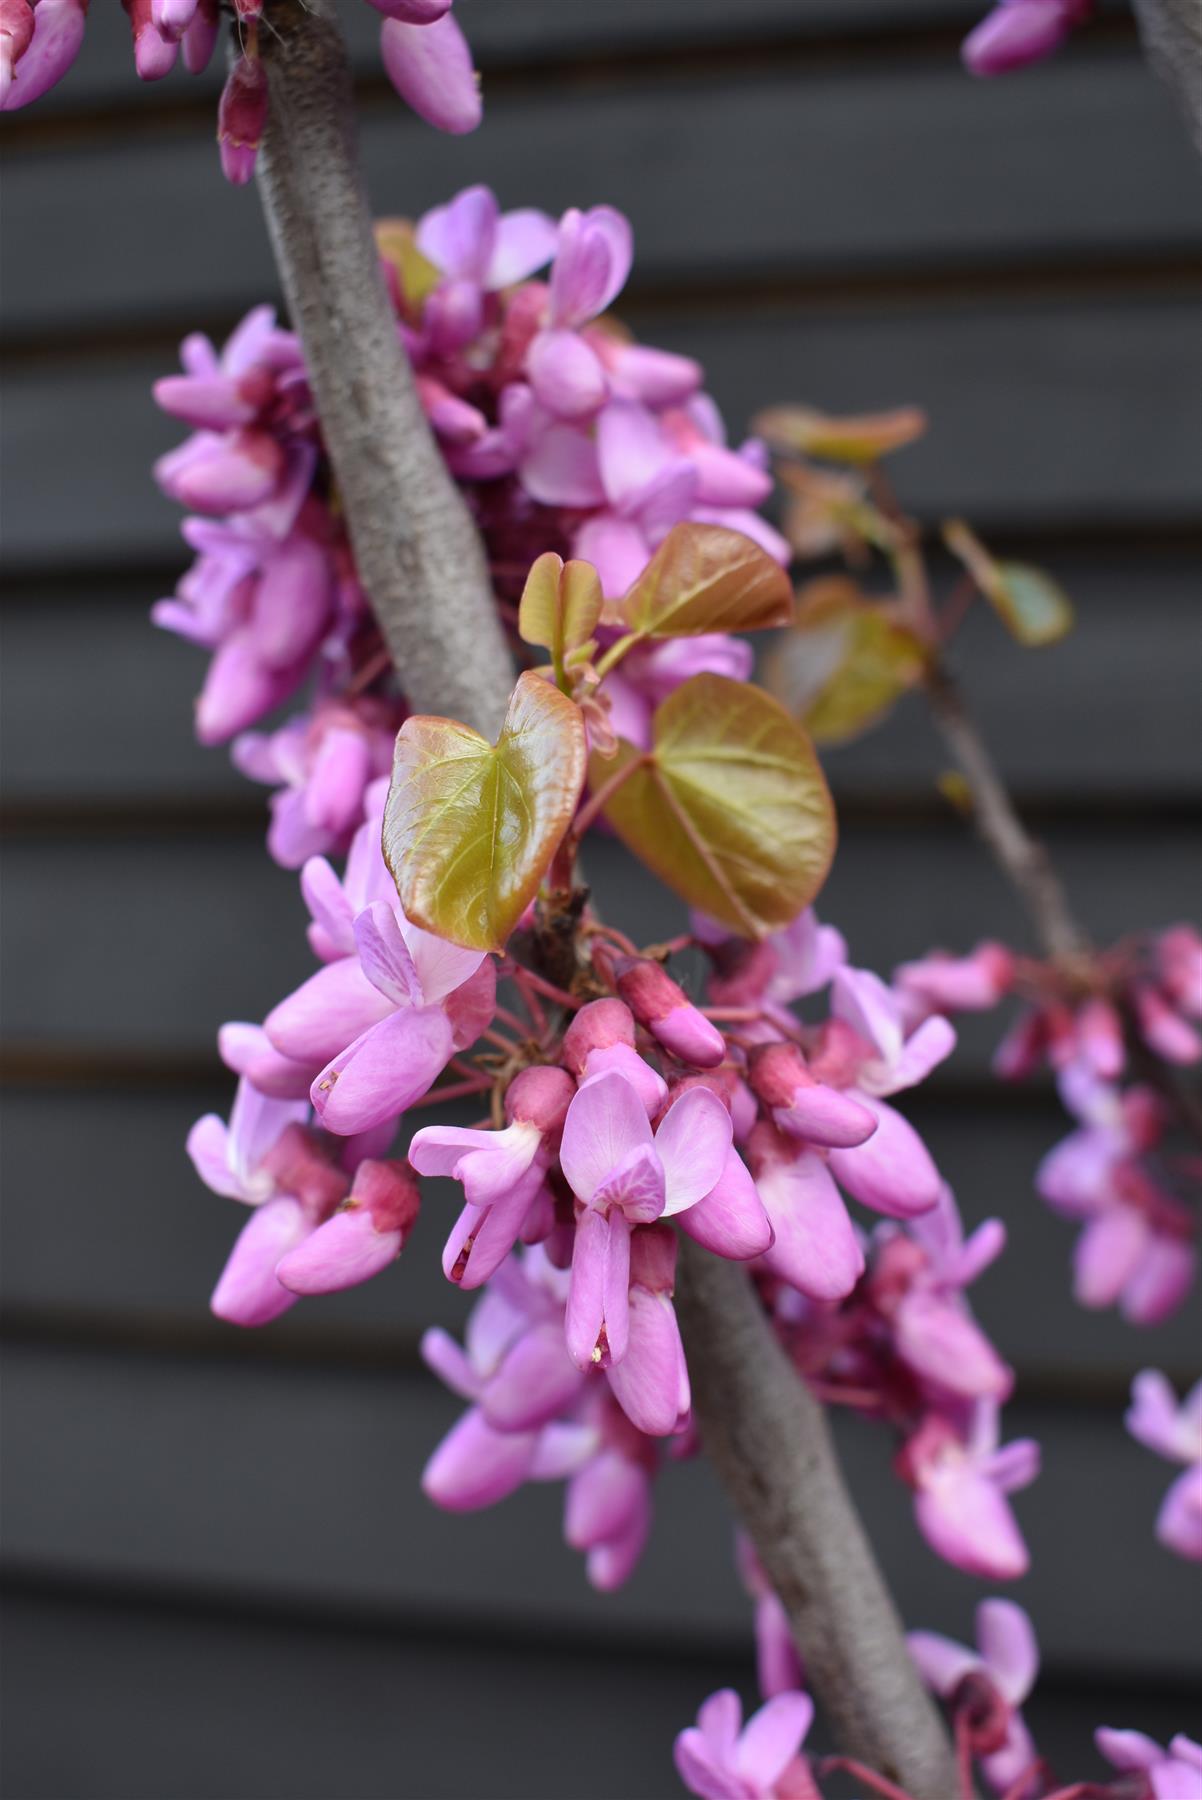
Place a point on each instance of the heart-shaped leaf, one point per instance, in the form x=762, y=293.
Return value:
x=845, y=663
x=560, y=605
x=706, y=578
x=1034, y=608
x=470, y=828
x=859, y=439
x=729, y=807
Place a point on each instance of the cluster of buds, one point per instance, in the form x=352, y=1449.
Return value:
x=1113, y=1173
x=425, y=55
x=561, y=431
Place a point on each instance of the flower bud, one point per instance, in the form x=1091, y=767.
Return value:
x=241, y=118
x=657, y=1002
x=802, y=1106
x=653, y=1258
x=597, y=1026
x=540, y=1096
x=366, y=1233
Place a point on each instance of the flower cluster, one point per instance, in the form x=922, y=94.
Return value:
x=425, y=55
x=1136, y=1249
x=561, y=431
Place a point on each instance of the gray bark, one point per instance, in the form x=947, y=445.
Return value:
x=1171, y=33
x=771, y=1445
x=417, y=551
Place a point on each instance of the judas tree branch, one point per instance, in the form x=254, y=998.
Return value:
x=1171, y=33
x=416, y=549
x=1020, y=857
x=769, y=1440
x=423, y=571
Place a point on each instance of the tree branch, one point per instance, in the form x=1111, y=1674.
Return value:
x=416, y=549
x=769, y=1440
x=1020, y=857
x=1171, y=34
x=422, y=568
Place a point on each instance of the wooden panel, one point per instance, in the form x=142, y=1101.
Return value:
x=303, y=1486
x=120, y=728
x=295, y=1711
x=148, y=943
x=1044, y=413
x=125, y=1238
x=530, y=33
x=890, y=195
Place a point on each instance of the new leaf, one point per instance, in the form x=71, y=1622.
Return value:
x=706, y=578
x=729, y=807
x=470, y=828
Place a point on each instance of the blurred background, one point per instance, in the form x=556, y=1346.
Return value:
x=222, y=1579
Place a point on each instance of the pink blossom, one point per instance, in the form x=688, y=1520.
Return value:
x=663, y=1007
x=815, y=1247
x=622, y=1175
x=38, y=44
x=502, y=1172
x=242, y=119
x=1019, y=32
x=960, y=1481
x=365, y=1234
x=430, y=66
x=720, y=1758
x=1172, y=1774
x=1174, y=1432
x=932, y=1327
x=987, y=1686
x=949, y=984
x=321, y=765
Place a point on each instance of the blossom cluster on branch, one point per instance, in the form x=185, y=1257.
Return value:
x=459, y=958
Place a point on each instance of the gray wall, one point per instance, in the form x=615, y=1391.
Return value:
x=223, y=1582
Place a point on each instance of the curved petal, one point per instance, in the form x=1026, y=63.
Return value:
x=605, y=1121
x=537, y=1379
x=385, y=1070
x=940, y=1661
x=893, y=1171
x=248, y=1292
x=730, y=1220
x=325, y=1013
x=384, y=956
x=460, y=237
x=772, y=1737
x=475, y=1466
x=525, y=240
x=651, y=1382
x=816, y=1248
x=1008, y=1646
x=693, y=1141
x=343, y=1252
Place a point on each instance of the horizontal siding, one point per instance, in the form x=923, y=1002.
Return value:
x=131, y=1243
x=1044, y=415
x=303, y=1485
x=179, y=932
x=125, y=686
x=662, y=154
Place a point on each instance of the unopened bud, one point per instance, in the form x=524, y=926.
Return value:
x=657, y=1002
x=540, y=1096
x=802, y=1106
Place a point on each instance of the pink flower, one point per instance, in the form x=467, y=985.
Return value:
x=479, y=250
x=987, y=1685
x=622, y=1175
x=720, y=1758
x=1172, y=1774
x=365, y=1235
x=1174, y=1432
x=1019, y=32
x=948, y=984
x=242, y=119
x=815, y=1247
x=933, y=1329
x=663, y=1007
x=38, y=44
x=961, y=1479
x=322, y=765
x=502, y=1172
x=430, y=66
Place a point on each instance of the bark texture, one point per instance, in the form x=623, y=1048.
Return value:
x=417, y=550
x=771, y=1445
x=1171, y=33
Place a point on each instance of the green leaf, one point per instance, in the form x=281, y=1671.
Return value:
x=470, y=829
x=856, y=440
x=560, y=605
x=1034, y=608
x=845, y=664
x=729, y=807
x=705, y=578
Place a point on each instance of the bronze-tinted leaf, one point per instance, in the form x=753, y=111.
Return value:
x=706, y=578
x=413, y=274
x=1034, y=608
x=859, y=439
x=845, y=663
x=470, y=829
x=729, y=808
x=560, y=605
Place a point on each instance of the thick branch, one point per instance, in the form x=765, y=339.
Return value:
x=416, y=549
x=1021, y=858
x=422, y=568
x=1171, y=33
x=771, y=1445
